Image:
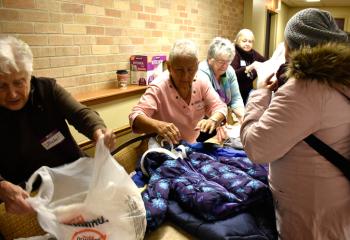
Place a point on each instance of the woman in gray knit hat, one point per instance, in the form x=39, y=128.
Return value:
x=312, y=196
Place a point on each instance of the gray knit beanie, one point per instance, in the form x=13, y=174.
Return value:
x=310, y=27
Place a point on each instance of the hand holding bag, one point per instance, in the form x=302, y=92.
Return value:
x=91, y=198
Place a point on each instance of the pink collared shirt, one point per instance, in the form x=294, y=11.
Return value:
x=161, y=101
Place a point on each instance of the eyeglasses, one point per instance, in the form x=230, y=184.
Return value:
x=222, y=62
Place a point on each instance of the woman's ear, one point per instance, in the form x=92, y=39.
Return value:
x=168, y=64
x=211, y=61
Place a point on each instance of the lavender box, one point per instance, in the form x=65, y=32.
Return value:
x=144, y=69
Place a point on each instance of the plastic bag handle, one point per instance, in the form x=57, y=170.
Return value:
x=46, y=188
x=101, y=149
x=43, y=197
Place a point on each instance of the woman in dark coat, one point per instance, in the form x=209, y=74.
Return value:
x=245, y=62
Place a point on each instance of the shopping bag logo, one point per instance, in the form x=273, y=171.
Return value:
x=69, y=204
x=82, y=223
x=89, y=234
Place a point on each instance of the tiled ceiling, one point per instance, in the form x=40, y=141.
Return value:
x=322, y=3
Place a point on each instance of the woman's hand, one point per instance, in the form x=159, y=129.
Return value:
x=270, y=82
x=14, y=198
x=109, y=138
x=207, y=125
x=251, y=67
x=221, y=134
x=168, y=131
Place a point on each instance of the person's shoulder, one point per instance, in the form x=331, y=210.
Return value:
x=43, y=89
x=160, y=84
x=160, y=80
x=43, y=84
x=201, y=80
x=230, y=69
x=203, y=70
x=258, y=56
x=230, y=72
x=202, y=75
x=203, y=66
x=43, y=81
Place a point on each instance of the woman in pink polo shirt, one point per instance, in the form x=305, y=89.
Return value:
x=175, y=104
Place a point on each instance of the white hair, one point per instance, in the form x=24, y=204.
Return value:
x=183, y=47
x=15, y=56
x=244, y=32
x=221, y=46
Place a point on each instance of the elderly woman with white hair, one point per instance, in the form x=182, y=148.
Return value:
x=216, y=69
x=246, y=61
x=176, y=102
x=33, y=115
x=312, y=196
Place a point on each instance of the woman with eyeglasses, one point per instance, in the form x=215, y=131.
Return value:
x=216, y=68
x=245, y=61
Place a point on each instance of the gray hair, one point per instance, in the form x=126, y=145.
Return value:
x=221, y=46
x=15, y=56
x=242, y=32
x=183, y=47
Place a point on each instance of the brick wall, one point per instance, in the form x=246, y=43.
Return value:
x=82, y=42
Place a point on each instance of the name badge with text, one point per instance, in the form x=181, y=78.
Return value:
x=52, y=139
x=199, y=105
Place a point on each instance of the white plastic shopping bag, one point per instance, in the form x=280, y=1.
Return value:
x=42, y=237
x=91, y=198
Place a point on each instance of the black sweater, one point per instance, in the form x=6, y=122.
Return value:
x=42, y=122
x=239, y=63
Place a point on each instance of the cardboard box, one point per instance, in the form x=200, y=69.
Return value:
x=144, y=69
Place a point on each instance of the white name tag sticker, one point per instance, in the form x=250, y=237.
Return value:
x=243, y=63
x=52, y=139
x=199, y=105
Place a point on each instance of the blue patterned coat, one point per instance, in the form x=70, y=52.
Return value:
x=212, y=184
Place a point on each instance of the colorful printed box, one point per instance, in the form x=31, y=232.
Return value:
x=143, y=71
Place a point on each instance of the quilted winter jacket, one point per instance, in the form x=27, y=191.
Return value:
x=312, y=197
x=211, y=187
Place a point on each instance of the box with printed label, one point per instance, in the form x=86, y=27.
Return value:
x=144, y=69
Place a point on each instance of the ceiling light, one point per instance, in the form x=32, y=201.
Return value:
x=313, y=0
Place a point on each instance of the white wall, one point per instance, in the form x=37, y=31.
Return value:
x=258, y=25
